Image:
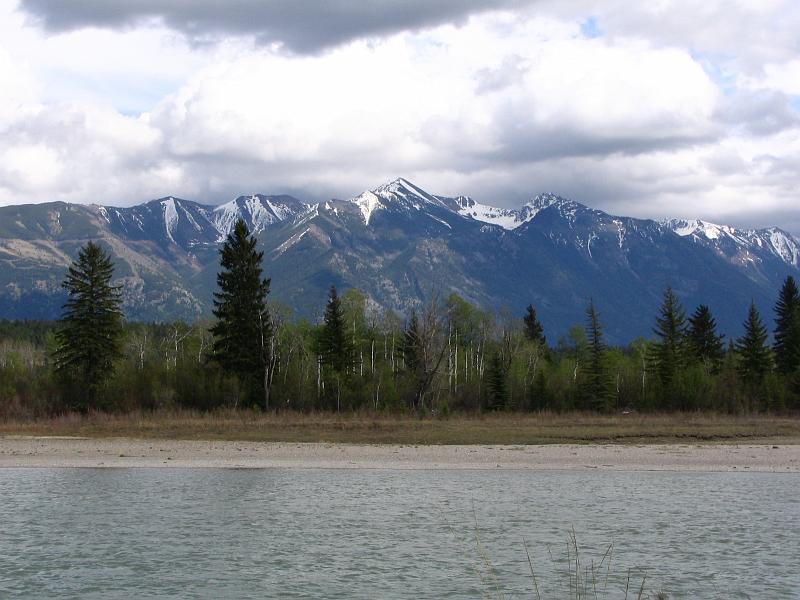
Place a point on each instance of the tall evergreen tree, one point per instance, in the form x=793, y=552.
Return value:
x=598, y=385
x=496, y=385
x=669, y=351
x=243, y=333
x=335, y=346
x=534, y=331
x=411, y=344
x=755, y=359
x=89, y=331
x=787, y=328
x=704, y=344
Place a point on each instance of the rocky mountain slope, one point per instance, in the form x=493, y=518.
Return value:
x=400, y=244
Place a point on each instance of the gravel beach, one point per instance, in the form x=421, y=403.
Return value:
x=18, y=451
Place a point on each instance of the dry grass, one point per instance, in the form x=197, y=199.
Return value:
x=458, y=429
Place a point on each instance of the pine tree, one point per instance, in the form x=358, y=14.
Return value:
x=598, y=385
x=243, y=333
x=335, y=346
x=411, y=343
x=534, y=331
x=755, y=360
x=787, y=328
x=496, y=383
x=704, y=344
x=669, y=351
x=89, y=331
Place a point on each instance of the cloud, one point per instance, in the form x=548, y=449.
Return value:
x=759, y=113
x=298, y=26
x=741, y=35
x=622, y=115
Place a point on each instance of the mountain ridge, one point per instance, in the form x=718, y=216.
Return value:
x=400, y=244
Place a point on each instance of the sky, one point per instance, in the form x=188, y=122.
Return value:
x=665, y=108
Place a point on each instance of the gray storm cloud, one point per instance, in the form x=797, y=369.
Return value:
x=301, y=27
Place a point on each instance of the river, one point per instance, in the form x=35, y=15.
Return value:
x=294, y=533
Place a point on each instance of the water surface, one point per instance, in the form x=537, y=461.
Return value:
x=208, y=533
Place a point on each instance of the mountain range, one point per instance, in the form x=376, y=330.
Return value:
x=400, y=244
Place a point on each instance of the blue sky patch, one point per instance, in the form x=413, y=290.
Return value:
x=590, y=28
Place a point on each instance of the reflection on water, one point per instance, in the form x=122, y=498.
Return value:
x=202, y=533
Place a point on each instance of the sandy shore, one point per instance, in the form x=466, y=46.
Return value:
x=120, y=452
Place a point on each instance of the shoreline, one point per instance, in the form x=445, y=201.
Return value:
x=76, y=452
x=457, y=429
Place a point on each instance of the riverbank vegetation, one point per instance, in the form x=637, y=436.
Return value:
x=369, y=428
x=444, y=357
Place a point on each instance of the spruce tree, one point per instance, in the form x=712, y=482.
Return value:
x=704, y=344
x=335, y=347
x=89, y=331
x=534, y=331
x=669, y=351
x=787, y=328
x=411, y=344
x=243, y=331
x=598, y=386
x=496, y=383
x=755, y=359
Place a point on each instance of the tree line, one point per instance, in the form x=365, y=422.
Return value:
x=446, y=355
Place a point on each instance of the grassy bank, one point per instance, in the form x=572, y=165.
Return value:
x=457, y=429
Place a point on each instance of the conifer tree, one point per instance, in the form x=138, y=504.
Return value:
x=755, y=360
x=411, y=343
x=598, y=385
x=496, y=383
x=534, y=331
x=89, y=331
x=669, y=351
x=787, y=328
x=335, y=346
x=704, y=344
x=243, y=333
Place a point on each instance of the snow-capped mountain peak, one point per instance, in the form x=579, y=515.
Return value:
x=543, y=201
x=403, y=187
x=399, y=194
x=257, y=210
x=730, y=241
x=546, y=200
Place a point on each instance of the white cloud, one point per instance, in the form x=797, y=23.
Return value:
x=783, y=77
x=672, y=110
x=414, y=103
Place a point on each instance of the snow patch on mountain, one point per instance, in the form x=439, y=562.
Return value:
x=784, y=245
x=710, y=231
x=504, y=217
x=170, y=217
x=773, y=240
x=289, y=243
x=368, y=203
x=445, y=223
